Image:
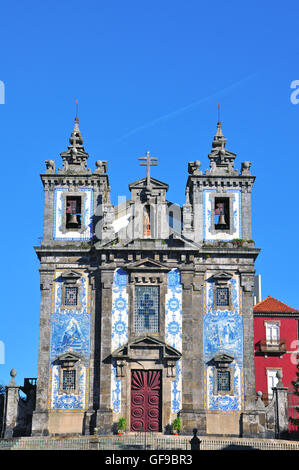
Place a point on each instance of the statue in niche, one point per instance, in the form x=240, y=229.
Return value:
x=146, y=222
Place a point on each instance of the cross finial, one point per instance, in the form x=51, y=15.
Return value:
x=148, y=162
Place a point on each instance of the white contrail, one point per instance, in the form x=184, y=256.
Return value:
x=185, y=108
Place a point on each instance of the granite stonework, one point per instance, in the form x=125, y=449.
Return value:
x=181, y=255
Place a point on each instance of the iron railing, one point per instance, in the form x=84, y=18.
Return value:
x=271, y=346
x=148, y=442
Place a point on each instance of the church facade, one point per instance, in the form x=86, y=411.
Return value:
x=146, y=307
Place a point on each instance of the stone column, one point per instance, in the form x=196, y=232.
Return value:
x=282, y=415
x=192, y=367
x=246, y=213
x=48, y=213
x=104, y=414
x=89, y=416
x=40, y=415
x=247, y=282
x=11, y=406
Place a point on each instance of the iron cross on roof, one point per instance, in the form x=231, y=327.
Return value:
x=148, y=162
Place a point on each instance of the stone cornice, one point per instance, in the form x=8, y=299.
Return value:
x=228, y=181
x=50, y=181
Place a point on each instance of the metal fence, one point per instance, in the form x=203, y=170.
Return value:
x=144, y=441
x=293, y=404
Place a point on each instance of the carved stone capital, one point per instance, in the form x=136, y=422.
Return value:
x=247, y=282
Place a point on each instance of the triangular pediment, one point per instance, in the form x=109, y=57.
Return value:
x=223, y=358
x=69, y=357
x=71, y=275
x=222, y=276
x=143, y=344
x=142, y=183
x=147, y=264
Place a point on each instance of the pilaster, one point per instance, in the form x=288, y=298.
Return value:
x=104, y=413
x=40, y=415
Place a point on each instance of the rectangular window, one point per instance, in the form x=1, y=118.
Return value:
x=223, y=380
x=272, y=333
x=222, y=296
x=69, y=380
x=73, y=212
x=147, y=309
x=271, y=381
x=221, y=213
x=71, y=296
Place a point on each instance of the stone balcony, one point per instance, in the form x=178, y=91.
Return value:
x=270, y=347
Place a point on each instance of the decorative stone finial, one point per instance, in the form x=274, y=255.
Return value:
x=260, y=405
x=74, y=158
x=193, y=168
x=12, y=373
x=279, y=376
x=50, y=165
x=219, y=139
x=221, y=160
x=245, y=168
x=101, y=167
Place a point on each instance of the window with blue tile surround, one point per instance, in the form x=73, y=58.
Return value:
x=222, y=296
x=71, y=296
x=223, y=380
x=147, y=309
x=69, y=380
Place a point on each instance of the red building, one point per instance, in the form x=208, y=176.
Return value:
x=276, y=334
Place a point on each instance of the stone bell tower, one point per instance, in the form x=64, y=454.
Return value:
x=76, y=201
x=217, y=218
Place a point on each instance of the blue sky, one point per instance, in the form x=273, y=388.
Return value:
x=147, y=76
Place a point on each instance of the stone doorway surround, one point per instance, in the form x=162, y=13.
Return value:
x=146, y=353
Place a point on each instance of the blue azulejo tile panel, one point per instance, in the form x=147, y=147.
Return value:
x=120, y=316
x=120, y=309
x=69, y=401
x=173, y=331
x=236, y=218
x=70, y=332
x=70, y=328
x=229, y=402
x=58, y=296
x=86, y=216
x=223, y=334
x=116, y=390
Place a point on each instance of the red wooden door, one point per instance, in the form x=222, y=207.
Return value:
x=146, y=400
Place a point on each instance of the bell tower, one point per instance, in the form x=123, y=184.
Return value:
x=218, y=203
x=217, y=218
x=76, y=213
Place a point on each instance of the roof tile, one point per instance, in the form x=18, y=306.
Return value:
x=270, y=304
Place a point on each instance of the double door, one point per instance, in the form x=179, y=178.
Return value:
x=146, y=388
